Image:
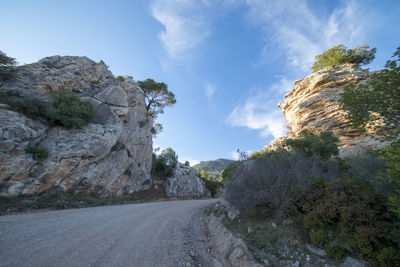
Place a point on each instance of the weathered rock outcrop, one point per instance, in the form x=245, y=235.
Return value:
x=109, y=156
x=186, y=184
x=314, y=105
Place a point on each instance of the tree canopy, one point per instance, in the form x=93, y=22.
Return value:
x=156, y=95
x=341, y=54
x=164, y=164
x=376, y=104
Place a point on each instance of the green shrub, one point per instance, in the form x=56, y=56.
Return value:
x=69, y=110
x=375, y=105
x=336, y=251
x=341, y=54
x=226, y=174
x=31, y=106
x=262, y=155
x=38, y=153
x=324, y=145
x=64, y=108
x=120, y=78
x=353, y=218
x=317, y=236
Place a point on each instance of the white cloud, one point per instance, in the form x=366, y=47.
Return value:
x=209, y=89
x=259, y=111
x=185, y=25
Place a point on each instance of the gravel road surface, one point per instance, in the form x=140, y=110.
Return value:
x=149, y=234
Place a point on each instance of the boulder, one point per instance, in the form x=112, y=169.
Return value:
x=315, y=250
x=185, y=183
x=109, y=156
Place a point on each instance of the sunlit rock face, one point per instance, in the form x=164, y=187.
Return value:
x=314, y=105
x=109, y=156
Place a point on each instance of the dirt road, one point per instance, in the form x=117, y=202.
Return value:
x=149, y=234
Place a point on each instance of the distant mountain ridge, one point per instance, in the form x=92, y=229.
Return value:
x=213, y=167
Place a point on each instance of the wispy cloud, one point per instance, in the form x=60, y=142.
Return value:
x=301, y=32
x=259, y=111
x=185, y=25
x=209, y=89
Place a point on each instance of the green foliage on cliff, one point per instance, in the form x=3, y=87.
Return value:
x=64, y=108
x=341, y=54
x=69, y=110
x=376, y=104
x=38, y=153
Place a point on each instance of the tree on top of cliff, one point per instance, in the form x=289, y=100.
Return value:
x=7, y=66
x=156, y=95
x=376, y=105
x=341, y=54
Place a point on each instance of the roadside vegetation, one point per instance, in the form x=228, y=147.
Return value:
x=348, y=207
x=332, y=204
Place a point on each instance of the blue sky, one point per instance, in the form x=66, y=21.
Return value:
x=229, y=62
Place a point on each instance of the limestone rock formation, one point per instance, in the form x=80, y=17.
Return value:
x=314, y=105
x=186, y=184
x=109, y=156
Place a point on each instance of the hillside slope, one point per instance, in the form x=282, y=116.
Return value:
x=213, y=167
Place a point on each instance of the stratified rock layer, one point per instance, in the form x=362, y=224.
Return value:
x=185, y=184
x=314, y=105
x=109, y=156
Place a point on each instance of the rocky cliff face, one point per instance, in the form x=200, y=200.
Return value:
x=109, y=156
x=314, y=105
